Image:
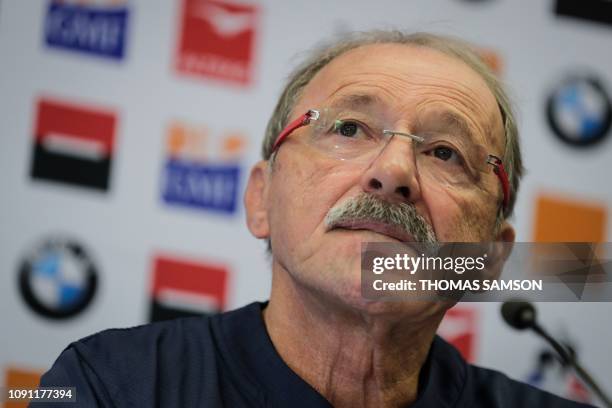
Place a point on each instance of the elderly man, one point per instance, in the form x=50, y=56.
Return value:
x=381, y=137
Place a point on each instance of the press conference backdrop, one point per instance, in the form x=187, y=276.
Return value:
x=128, y=129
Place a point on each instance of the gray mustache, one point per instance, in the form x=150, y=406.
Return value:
x=367, y=207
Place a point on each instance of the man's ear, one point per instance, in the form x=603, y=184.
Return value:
x=506, y=233
x=497, y=252
x=256, y=200
x=506, y=236
x=500, y=250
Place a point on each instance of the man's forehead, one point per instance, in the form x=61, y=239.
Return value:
x=404, y=67
x=391, y=75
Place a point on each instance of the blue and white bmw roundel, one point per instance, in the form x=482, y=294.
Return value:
x=58, y=279
x=579, y=111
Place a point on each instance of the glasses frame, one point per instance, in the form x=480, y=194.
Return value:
x=313, y=114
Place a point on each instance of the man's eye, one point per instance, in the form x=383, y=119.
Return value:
x=346, y=128
x=444, y=153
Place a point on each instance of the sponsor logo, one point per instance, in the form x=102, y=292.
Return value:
x=579, y=111
x=217, y=40
x=58, y=278
x=73, y=144
x=19, y=378
x=183, y=288
x=599, y=11
x=492, y=59
x=550, y=374
x=583, y=221
x=576, y=390
x=459, y=328
x=201, y=171
x=97, y=28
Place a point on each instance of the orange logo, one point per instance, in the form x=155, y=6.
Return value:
x=492, y=59
x=562, y=219
x=20, y=378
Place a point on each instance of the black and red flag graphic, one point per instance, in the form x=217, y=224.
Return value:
x=73, y=144
x=183, y=288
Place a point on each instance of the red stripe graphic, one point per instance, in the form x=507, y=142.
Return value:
x=86, y=127
x=173, y=275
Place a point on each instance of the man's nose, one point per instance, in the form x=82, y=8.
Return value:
x=392, y=174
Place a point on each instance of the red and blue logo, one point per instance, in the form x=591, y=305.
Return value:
x=98, y=28
x=202, y=169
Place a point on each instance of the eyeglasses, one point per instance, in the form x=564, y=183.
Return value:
x=444, y=157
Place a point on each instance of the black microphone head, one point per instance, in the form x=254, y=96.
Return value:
x=518, y=314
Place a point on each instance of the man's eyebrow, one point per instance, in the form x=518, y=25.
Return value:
x=446, y=120
x=356, y=100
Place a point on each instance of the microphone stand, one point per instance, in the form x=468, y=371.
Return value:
x=569, y=359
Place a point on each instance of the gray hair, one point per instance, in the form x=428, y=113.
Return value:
x=453, y=47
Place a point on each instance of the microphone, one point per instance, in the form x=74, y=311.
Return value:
x=522, y=315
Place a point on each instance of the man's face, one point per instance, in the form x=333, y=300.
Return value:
x=411, y=88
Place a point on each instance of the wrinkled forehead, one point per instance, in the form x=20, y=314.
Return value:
x=408, y=82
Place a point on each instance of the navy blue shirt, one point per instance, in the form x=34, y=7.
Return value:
x=228, y=360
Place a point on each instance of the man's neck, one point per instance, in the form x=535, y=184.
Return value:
x=350, y=357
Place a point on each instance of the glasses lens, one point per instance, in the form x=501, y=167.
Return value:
x=451, y=159
x=347, y=134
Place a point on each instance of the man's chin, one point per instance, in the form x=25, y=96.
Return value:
x=341, y=284
x=414, y=310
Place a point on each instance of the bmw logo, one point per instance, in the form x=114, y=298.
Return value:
x=58, y=279
x=579, y=111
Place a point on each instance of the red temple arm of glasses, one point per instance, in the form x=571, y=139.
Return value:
x=503, y=178
x=299, y=122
